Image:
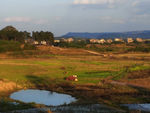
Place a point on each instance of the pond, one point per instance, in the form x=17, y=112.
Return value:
x=42, y=97
x=141, y=107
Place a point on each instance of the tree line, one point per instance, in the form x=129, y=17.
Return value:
x=12, y=34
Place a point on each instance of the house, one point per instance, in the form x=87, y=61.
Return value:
x=69, y=40
x=109, y=41
x=130, y=40
x=56, y=41
x=118, y=40
x=35, y=42
x=63, y=40
x=29, y=41
x=93, y=40
x=43, y=43
x=139, y=39
x=101, y=41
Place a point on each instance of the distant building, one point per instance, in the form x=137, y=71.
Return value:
x=63, y=40
x=139, y=39
x=119, y=40
x=109, y=41
x=35, y=42
x=56, y=41
x=70, y=40
x=93, y=40
x=130, y=40
x=29, y=41
x=101, y=41
x=43, y=43
x=79, y=40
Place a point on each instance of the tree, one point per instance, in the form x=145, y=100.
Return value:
x=11, y=33
x=43, y=36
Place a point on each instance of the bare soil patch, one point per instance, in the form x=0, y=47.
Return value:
x=7, y=86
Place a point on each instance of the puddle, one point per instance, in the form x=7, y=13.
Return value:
x=42, y=97
x=141, y=107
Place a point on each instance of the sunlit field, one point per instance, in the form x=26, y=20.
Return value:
x=89, y=69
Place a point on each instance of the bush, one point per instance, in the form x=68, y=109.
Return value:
x=6, y=46
x=29, y=47
x=75, y=44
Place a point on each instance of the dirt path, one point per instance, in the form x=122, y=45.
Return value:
x=127, y=84
x=19, y=64
x=93, y=52
x=119, y=83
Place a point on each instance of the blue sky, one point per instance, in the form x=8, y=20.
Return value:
x=62, y=16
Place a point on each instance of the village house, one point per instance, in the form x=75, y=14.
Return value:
x=130, y=40
x=43, y=43
x=35, y=42
x=63, y=40
x=109, y=41
x=56, y=41
x=29, y=41
x=139, y=39
x=118, y=40
x=69, y=40
x=93, y=40
x=101, y=41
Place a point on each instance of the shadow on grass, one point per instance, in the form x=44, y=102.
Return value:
x=41, y=82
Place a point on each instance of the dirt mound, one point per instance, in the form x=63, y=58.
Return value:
x=139, y=78
x=64, y=51
x=139, y=74
x=6, y=86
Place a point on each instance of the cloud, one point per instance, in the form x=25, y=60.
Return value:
x=24, y=20
x=109, y=19
x=142, y=7
x=102, y=3
x=17, y=19
x=94, y=1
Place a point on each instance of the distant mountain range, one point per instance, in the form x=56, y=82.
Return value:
x=134, y=34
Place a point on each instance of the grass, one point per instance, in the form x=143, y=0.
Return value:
x=9, y=105
x=139, y=67
x=52, y=70
x=58, y=67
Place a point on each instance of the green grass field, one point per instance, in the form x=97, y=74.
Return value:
x=90, y=69
x=49, y=73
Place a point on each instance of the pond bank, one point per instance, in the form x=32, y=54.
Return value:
x=93, y=108
x=7, y=87
x=105, y=93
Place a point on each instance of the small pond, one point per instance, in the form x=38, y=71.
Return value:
x=42, y=97
x=142, y=107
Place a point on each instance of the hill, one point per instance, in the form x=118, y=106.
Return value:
x=134, y=34
x=9, y=28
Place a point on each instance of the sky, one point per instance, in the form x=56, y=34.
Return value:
x=63, y=16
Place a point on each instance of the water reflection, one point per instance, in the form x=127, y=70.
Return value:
x=42, y=97
x=141, y=107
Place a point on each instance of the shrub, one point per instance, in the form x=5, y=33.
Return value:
x=29, y=47
x=6, y=46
